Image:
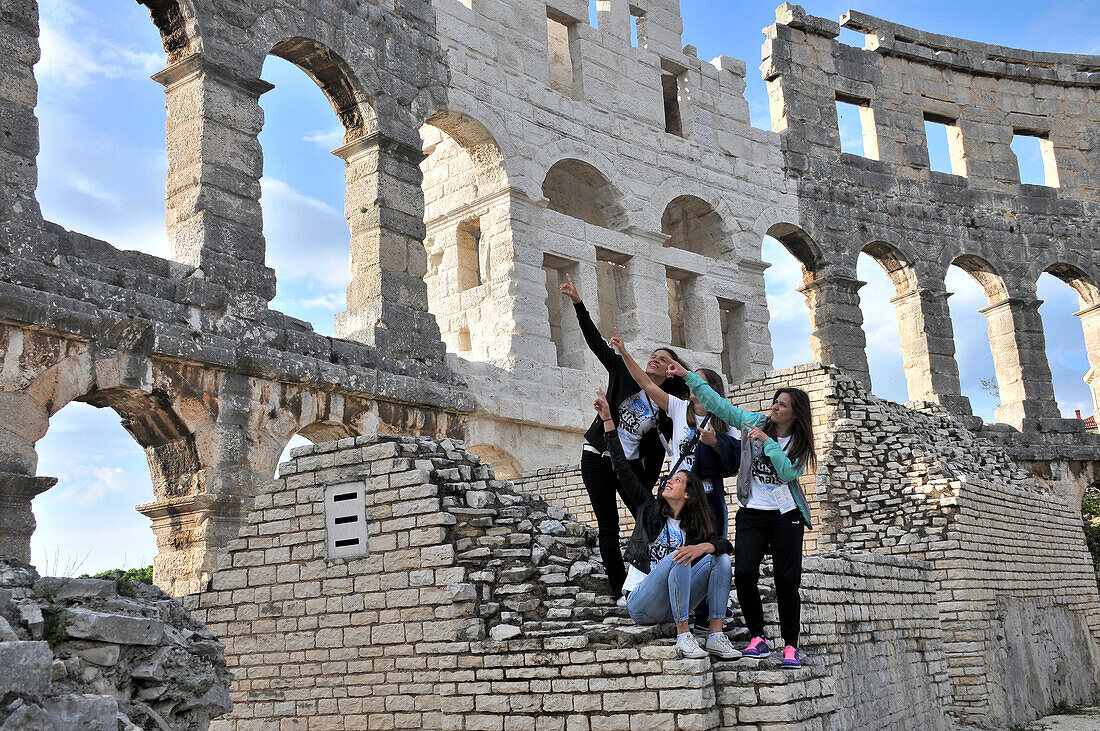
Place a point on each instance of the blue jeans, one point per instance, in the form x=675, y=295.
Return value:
x=671, y=590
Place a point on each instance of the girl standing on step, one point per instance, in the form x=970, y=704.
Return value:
x=773, y=513
x=676, y=558
x=636, y=417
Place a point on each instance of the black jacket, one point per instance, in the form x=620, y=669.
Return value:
x=620, y=386
x=648, y=520
x=715, y=463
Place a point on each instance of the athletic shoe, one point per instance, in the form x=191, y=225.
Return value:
x=719, y=645
x=688, y=647
x=792, y=660
x=758, y=647
x=620, y=602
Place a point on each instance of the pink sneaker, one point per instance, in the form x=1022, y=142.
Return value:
x=757, y=647
x=792, y=660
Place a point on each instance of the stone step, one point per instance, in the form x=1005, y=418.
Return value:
x=27, y=667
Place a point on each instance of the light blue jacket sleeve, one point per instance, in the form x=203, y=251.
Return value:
x=734, y=416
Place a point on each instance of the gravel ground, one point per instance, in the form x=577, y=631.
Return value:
x=1086, y=719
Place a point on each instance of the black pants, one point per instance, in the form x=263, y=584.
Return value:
x=768, y=531
x=602, y=485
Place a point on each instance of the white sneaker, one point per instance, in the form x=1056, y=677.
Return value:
x=719, y=645
x=688, y=647
x=621, y=601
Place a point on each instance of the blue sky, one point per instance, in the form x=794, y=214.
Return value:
x=102, y=168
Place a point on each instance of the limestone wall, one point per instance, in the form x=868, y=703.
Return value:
x=1001, y=547
x=475, y=607
x=578, y=178
x=915, y=221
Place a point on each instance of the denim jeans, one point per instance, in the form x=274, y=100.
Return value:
x=671, y=590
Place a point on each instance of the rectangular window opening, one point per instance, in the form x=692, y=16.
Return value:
x=851, y=37
x=1035, y=157
x=594, y=13
x=945, y=145
x=612, y=286
x=856, y=125
x=559, y=46
x=735, y=360
x=347, y=542
x=346, y=519
x=673, y=79
x=675, y=284
x=343, y=496
x=564, y=331
x=470, y=255
x=636, y=15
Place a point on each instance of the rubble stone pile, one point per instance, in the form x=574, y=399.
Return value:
x=103, y=655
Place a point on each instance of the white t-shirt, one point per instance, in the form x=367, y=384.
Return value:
x=637, y=415
x=682, y=434
x=667, y=541
x=764, y=477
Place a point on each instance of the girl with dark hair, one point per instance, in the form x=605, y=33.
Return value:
x=773, y=513
x=687, y=416
x=637, y=419
x=676, y=558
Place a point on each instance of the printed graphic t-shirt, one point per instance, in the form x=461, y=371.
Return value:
x=764, y=477
x=681, y=434
x=667, y=541
x=637, y=415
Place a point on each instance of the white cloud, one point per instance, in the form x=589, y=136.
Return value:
x=75, y=54
x=307, y=239
x=326, y=140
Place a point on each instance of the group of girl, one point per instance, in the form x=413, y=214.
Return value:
x=678, y=557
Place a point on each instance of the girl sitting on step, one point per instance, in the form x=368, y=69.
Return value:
x=772, y=513
x=676, y=558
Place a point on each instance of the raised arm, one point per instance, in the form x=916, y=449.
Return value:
x=730, y=414
x=591, y=333
x=655, y=392
x=714, y=403
x=636, y=493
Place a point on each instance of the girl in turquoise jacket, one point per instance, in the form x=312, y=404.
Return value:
x=772, y=510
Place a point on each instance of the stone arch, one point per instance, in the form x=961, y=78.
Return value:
x=801, y=246
x=332, y=74
x=178, y=25
x=577, y=189
x=1073, y=269
x=720, y=226
x=693, y=225
x=984, y=273
x=896, y=263
x=505, y=466
x=1078, y=277
x=554, y=153
x=474, y=125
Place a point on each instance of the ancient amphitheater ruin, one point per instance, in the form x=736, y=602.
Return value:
x=390, y=577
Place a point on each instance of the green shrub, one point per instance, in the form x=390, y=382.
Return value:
x=56, y=620
x=1090, y=513
x=143, y=576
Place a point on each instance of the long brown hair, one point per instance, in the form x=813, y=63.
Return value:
x=715, y=382
x=801, y=447
x=695, y=516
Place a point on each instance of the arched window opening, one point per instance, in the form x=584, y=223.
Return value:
x=102, y=159
x=303, y=185
x=87, y=523
x=1067, y=314
x=789, y=323
x=974, y=286
x=579, y=190
x=467, y=216
x=692, y=225
x=887, y=278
